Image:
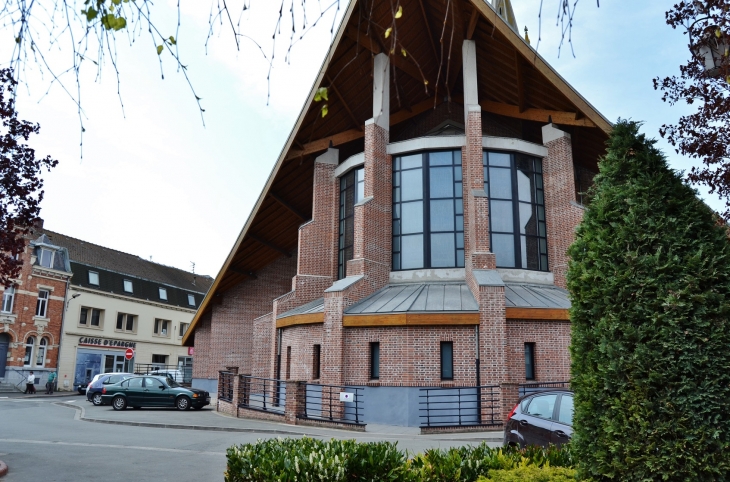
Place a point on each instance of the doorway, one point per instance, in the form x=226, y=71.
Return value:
x=4, y=344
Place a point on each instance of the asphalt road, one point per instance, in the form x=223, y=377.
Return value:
x=43, y=440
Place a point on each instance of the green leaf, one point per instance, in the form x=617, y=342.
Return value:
x=387, y=32
x=121, y=22
x=90, y=14
x=321, y=94
x=399, y=13
x=172, y=40
x=159, y=49
x=325, y=110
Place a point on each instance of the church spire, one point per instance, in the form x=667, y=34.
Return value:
x=504, y=9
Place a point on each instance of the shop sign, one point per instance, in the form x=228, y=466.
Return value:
x=107, y=343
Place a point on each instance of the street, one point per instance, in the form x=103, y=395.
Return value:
x=45, y=439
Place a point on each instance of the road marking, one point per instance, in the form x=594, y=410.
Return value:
x=110, y=446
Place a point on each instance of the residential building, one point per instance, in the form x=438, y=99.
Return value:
x=414, y=234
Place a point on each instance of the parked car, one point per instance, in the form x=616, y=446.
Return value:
x=176, y=375
x=541, y=418
x=93, y=392
x=153, y=391
x=84, y=389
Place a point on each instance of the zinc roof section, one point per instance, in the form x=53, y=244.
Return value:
x=535, y=296
x=316, y=306
x=418, y=297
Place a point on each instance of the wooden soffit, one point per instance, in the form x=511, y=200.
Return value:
x=411, y=319
x=557, y=314
x=304, y=319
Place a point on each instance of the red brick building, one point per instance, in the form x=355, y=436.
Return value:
x=32, y=313
x=416, y=235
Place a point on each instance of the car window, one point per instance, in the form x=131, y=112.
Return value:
x=135, y=382
x=542, y=406
x=152, y=383
x=113, y=379
x=565, y=414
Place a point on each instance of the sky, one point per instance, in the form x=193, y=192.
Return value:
x=154, y=179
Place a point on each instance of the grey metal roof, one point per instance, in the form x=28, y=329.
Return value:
x=316, y=306
x=522, y=295
x=423, y=297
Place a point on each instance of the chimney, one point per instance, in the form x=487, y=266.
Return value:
x=38, y=223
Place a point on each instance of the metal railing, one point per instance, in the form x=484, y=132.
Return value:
x=322, y=402
x=530, y=388
x=263, y=394
x=225, y=386
x=22, y=377
x=181, y=374
x=460, y=406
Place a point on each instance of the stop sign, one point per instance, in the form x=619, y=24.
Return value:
x=129, y=354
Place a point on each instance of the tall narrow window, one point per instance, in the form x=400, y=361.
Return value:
x=84, y=315
x=375, y=360
x=517, y=231
x=447, y=360
x=29, y=344
x=45, y=258
x=316, y=360
x=428, y=211
x=529, y=361
x=41, y=307
x=183, y=329
x=288, y=363
x=95, y=317
x=352, y=190
x=8, y=296
x=41, y=355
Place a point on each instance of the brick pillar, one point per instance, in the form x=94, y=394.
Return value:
x=509, y=395
x=562, y=214
x=295, y=400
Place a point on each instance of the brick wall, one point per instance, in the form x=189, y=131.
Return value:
x=262, y=346
x=204, y=366
x=552, y=357
x=301, y=339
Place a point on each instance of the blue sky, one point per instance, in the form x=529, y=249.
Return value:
x=153, y=181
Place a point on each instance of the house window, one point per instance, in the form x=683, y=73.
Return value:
x=352, y=191
x=375, y=360
x=95, y=317
x=29, y=344
x=45, y=258
x=316, y=358
x=163, y=294
x=90, y=317
x=41, y=307
x=8, y=296
x=191, y=300
x=288, y=363
x=84, y=315
x=183, y=329
x=128, y=286
x=529, y=361
x=93, y=278
x=159, y=359
x=161, y=327
x=126, y=322
x=517, y=231
x=40, y=359
x=428, y=211
x=447, y=360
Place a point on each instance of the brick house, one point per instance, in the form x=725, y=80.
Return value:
x=416, y=235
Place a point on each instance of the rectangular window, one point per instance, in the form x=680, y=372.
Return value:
x=352, y=189
x=8, y=296
x=161, y=327
x=183, y=329
x=191, y=300
x=375, y=360
x=447, y=360
x=163, y=294
x=84, y=315
x=128, y=286
x=288, y=362
x=159, y=359
x=41, y=308
x=95, y=317
x=45, y=258
x=529, y=361
x=317, y=352
x=93, y=278
x=126, y=322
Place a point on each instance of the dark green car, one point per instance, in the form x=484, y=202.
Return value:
x=149, y=391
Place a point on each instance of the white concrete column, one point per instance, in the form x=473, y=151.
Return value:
x=471, y=91
x=381, y=91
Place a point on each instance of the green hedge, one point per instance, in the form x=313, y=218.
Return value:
x=309, y=459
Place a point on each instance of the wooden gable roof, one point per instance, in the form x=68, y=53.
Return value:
x=515, y=83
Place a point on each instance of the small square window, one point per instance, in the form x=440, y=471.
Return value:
x=128, y=286
x=191, y=300
x=161, y=327
x=163, y=294
x=126, y=322
x=159, y=359
x=93, y=278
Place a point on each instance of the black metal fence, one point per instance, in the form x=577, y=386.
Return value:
x=460, y=406
x=530, y=388
x=323, y=402
x=225, y=386
x=264, y=394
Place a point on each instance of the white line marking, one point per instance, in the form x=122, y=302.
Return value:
x=110, y=446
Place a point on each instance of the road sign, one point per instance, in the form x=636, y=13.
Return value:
x=129, y=354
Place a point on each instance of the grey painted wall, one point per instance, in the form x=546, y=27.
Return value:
x=210, y=386
x=402, y=406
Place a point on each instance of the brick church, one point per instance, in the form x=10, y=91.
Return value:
x=415, y=236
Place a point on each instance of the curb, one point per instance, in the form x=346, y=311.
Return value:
x=3, y=468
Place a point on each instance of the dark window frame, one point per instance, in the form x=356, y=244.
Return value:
x=374, y=360
x=350, y=194
x=530, y=367
x=84, y=316
x=288, y=363
x=316, y=361
x=447, y=369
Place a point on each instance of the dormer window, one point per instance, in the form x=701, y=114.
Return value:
x=163, y=294
x=93, y=278
x=45, y=258
x=191, y=300
x=128, y=286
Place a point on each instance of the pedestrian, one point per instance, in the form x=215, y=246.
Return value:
x=51, y=381
x=30, y=384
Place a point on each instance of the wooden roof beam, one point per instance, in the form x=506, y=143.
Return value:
x=288, y=206
x=344, y=104
x=428, y=31
x=521, y=101
x=269, y=244
x=472, y=23
x=537, y=115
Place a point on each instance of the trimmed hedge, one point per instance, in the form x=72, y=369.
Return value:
x=309, y=459
x=649, y=280
x=531, y=473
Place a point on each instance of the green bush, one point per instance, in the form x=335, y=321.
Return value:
x=531, y=473
x=649, y=280
x=307, y=459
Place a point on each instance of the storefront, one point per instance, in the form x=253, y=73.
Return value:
x=100, y=355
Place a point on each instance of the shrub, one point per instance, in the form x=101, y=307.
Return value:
x=649, y=279
x=531, y=473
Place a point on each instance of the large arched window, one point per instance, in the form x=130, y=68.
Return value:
x=517, y=231
x=40, y=359
x=29, y=345
x=428, y=211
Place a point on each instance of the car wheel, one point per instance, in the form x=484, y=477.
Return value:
x=182, y=403
x=119, y=403
x=96, y=399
